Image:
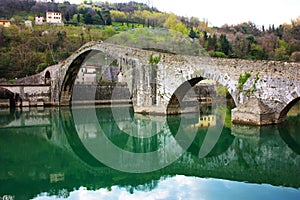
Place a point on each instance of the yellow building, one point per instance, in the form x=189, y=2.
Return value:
x=207, y=121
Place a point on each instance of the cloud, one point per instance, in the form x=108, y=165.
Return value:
x=183, y=187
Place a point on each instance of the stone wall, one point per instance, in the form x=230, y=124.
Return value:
x=101, y=92
x=32, y=94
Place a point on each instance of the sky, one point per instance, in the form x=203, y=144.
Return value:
x=220, y=12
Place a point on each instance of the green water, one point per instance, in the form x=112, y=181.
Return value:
x=104, y=153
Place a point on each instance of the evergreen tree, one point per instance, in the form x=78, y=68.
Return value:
x=192, y=34
x=88, y=18
x=224, y=45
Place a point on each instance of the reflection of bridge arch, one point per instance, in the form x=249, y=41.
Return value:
x=209, y=141
x=123, y=138
x=74, y=140
x=290, y=135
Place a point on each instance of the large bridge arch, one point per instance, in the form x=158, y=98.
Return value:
x=70, y=67
x=70, y=77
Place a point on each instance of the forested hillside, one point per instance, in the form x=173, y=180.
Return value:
x=27, y=50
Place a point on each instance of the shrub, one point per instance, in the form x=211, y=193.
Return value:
x=41, y=67
x=242, y=80
x=218, y=54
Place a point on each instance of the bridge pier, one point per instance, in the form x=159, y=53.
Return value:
x=254, y=112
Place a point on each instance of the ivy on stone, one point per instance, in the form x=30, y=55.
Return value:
x=154, y=60
x=242, y=80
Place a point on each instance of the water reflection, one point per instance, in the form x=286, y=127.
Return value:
x=289, y=130
x=124, y=151
x=50, y=152
x=182, y=187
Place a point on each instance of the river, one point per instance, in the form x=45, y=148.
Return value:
x=111, y=153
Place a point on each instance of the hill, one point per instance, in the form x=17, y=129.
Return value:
x=28, y=50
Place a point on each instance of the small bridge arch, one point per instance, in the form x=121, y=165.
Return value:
x=7, y=94
x=294, y=98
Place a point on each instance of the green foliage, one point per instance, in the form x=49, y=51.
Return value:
x=282, y=50
x=23, y=50
x=224, y=45
x=242, y=80
x=256, y=51
x=173, y=23
x=192, y=34
x=41, y=67
x=255, y=82
x=222, y=91
x=114, y=63
x=218, y=54
x=108, y=32
x=254, y=89
x=154, y=60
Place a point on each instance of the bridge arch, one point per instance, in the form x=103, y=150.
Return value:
x=7, y=94
x=175, y=101
x=193, y=74
x=286, y=109
x=47, y=78
x=70, y=75
x=110, y=54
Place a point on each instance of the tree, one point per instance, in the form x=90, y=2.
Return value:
x=282, y=50
x=117, y=16
x=192, y=34
x=211, y=43
x=97, y=20
x=173, y=23
x=256, y=51
x=203, y=26
x=106, y=17
x=88, y=18
x=224, y=45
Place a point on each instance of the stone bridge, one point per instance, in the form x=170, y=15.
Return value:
x=265, y=98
